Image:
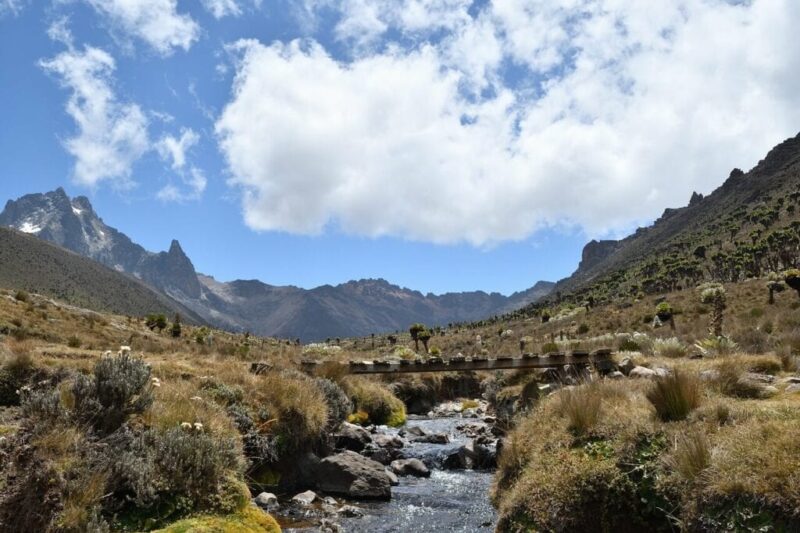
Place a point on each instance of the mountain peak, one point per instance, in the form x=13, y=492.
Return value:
x=175, y=248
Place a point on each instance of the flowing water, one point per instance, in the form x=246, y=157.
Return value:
x=448, y=501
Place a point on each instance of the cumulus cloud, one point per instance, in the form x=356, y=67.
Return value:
x=490, y=125
x=111, y=135
x=157, y=22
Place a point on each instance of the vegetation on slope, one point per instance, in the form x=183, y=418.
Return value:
x=34, y=265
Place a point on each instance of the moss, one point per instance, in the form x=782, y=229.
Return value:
x=249, y=520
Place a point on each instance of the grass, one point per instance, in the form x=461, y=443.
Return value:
x=691, y=456
x=674, y=396
x=375, y=399
x=581, y=406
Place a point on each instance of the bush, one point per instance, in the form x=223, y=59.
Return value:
x=581, y=406
x=339, y=404
x=381, y=406
x=583, y=329
x=674, y=396
x=22, y=296
x=120, y=387
x=74, y=342
x=717, y=346
x=671, y=347
x=550, y=347
x=627, y=344
x=15, y=372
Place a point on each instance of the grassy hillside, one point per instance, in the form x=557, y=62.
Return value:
x=748, y=227
x=31, y=264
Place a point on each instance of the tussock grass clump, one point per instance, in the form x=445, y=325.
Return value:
x=297, y=405
x=730, y=380
x=674, y=396
x=581, y=406
x=671, y=348
x=690, y=456
x=375, y=399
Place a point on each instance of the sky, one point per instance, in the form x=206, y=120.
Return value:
x=444, y=145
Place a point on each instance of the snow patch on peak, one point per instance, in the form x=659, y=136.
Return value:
x=28, y=227
x=77, y=211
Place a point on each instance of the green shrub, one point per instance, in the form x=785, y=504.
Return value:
x=717, y=346
x=381, y=406
x=627, y=344
x=674, y=396
x=583, y=329
x=550, y=347
x=22, y=296
x=74, y=342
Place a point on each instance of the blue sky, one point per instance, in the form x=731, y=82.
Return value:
x=444, y=145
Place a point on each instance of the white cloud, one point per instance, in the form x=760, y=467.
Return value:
x=12, y=7
x=157, y=22
x=222, y=8
x=111, y=135
x=597, y=113
x=174, y=149
x=194, y=184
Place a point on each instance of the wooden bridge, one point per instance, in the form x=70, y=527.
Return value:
x=580, y=360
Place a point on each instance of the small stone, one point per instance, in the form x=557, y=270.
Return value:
x=794, y=387
x=388, y=441
x=267, y=501
x=350, y=511
x=642, y=372
x=434, y=438
x=615, y=375
x=305, y=498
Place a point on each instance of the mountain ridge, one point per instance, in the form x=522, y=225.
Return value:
x=749, y=226
x=352, y=308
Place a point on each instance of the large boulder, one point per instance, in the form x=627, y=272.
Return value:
x=351, y=437
x=410, y=467
x=354, y=476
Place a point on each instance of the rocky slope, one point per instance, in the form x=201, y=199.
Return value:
x=747, y=227
x=354, y=308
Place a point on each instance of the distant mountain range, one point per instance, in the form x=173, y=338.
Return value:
x=354, y=308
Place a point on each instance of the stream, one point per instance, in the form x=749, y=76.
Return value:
x=447, y=501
